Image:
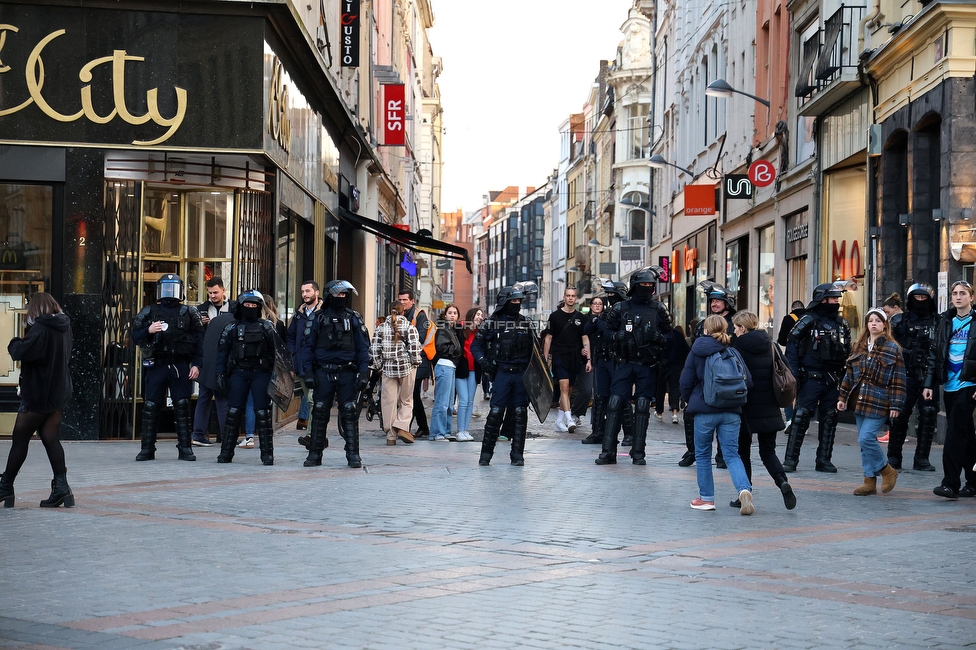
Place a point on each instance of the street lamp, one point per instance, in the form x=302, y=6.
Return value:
x=659, y=162
x=721, y=88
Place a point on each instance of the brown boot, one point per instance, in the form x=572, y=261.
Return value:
x=870, y=487
x=888, y=477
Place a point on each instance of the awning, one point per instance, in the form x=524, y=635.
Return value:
x=410, y=241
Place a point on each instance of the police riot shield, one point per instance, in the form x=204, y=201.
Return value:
x=538, y=382
x=281, y=388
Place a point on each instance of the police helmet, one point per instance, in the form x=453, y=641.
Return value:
x=251, y=296
x=506, y=294
x=528, y=288
x=824, y=291
x=169, y=286
x=921, y=289
x=715, y=291
x=335, y=287
x=650, y=274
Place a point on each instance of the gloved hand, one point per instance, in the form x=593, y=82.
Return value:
x=362, y=381
x=309, y=382
x=223, y=386
x=488, y=366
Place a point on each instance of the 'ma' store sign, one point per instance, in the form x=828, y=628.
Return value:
x=129, y=78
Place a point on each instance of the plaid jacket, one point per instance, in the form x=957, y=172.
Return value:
x=880, y=378
x=395, y=359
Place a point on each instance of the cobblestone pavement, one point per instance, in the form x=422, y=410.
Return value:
x=422, y=548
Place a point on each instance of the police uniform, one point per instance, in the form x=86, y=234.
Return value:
x=914, y=330
x=504, y=346
x=638, y=326
x=601, y=360
x=817, y=350
x=336, y=361
x=168, y=356
x=245, y=359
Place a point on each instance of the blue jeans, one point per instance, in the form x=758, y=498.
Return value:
x=726, y=427
x=873, y=459
x=440, y=417
x=303, y=410
x=465, y=390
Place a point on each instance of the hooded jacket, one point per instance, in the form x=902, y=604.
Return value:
x=44, y=354
x=761, y=412
x=693, y=377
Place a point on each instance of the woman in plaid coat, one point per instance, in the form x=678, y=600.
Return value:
x=877, y=371
x=395, y=351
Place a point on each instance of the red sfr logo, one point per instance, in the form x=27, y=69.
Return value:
x=762, y=173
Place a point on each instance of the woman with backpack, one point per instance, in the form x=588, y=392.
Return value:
x=876, y=369
x=395, y=351
x=715, y=383
x=761, y=415
x=449, y=355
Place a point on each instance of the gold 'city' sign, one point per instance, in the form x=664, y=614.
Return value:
x=279, y=126
x=34, y=75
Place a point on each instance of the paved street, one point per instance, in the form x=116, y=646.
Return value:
x=422, y=548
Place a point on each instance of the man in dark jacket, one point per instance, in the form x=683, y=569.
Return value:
x=209, y=310
x=789, y=322
x=311, y=303
x=209, y=392
x=418, y=318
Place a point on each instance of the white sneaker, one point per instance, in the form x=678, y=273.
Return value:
x=570, y=422
x=659, y=416
x=561, y=424
x=246, y=443
x=674, y=418
x=464, y=436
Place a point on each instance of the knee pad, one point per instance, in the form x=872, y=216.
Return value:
x=801, y=418
x=320, y=410
x=643, y=405
x=616, y=403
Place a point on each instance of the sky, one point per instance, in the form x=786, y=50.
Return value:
x=514, y=70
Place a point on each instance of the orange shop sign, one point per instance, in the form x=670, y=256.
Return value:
x=699, y=200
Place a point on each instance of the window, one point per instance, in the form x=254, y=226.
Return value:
x=638, y=225
x=638, y=131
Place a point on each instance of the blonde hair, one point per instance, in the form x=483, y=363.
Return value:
x=716, y=327
x=270, y=310
x=746, y=319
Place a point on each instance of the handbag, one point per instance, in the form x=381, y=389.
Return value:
x=784, y=383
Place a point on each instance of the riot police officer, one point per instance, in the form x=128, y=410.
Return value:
x=245, y=359
x=720, y=303
x=171, y=336
x=503, y=347
x=817, y=350
x=914, y=330
x=336, y=345
x=638, y=326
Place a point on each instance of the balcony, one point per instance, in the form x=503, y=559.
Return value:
x=828, y=71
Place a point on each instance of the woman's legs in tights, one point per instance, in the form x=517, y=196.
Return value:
x=47, y=426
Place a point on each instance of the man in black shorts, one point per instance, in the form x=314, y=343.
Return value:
x=564, y=350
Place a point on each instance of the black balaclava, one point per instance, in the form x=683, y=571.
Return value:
x=250, y=314
x=921, y=307
x=169, y=302
x=512, y=308
x=337, y=302
x=642, y=294
x=827, y=309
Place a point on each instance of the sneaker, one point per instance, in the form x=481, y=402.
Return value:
x=674, y=418
x=561, y=426
x=698, y=504
x=503, y=438
x=464, y=436
x=424, y=433
x=659, y=416
x=451, y=437
x=571, y=423
x=246, y=443
x=202, y=441
x=745, y=498
x=943, y=491
x=885, y=437
x=439, y=439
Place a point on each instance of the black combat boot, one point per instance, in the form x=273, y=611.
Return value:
x=897, y=433
x=688, y=459
x=608, y=455
x=184, y=430
x=265, y=432
x=150, y=423
x=317, y=434
x=599, y=415
x=349, y=418
x=518, y=436
x=627, y=424
x=641, y=419
x=228, y=441
x=825, y=448
x=794, y=438
x=927, y=421
x=60, y=493
x=7, y=490
x=493, y=425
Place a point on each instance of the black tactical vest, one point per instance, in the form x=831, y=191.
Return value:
x=639, y=338
x=177, y=340
x=335, y=330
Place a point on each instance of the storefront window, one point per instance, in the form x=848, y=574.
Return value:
x=25, y=260
x=737, y=271
x=290, y=263
x=161, y=222
x=843, y=251
x=767, y=266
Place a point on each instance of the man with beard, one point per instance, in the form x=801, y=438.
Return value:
x=562, y=349
x=720, y=303
x=817, y=351
x=638, y=326
x=311, y=303
x=214, y=306
x=913, y=329
x=503, y=347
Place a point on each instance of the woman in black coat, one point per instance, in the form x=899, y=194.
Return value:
x=45, y=388
x=761, y=414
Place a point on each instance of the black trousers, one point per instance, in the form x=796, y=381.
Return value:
x=667, y=382
x=419, y=414
x=959, y=452
x=767, y=453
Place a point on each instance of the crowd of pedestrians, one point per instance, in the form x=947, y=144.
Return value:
x=728, y=378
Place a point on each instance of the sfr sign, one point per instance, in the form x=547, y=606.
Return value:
x=394, y=114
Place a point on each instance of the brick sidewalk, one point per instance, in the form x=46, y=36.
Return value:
x=424, y=549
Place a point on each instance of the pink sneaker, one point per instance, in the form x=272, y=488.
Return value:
x=885, y=437
x=698, y=504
